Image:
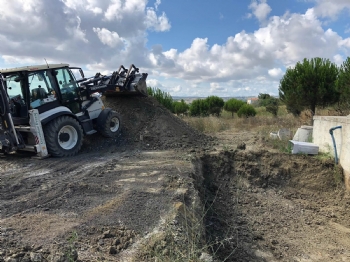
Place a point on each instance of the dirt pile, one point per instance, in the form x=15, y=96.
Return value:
x=146, y=124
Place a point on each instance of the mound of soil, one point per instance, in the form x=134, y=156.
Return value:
x=146, y=124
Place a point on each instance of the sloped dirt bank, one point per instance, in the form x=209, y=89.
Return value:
x=148, y=125
x=262, y=206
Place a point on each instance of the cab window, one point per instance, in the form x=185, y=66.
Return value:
x=40, y=89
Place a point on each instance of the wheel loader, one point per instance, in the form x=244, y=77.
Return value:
x=47, y=109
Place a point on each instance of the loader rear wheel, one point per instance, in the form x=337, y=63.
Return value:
x=63, y=136
x=110, y=125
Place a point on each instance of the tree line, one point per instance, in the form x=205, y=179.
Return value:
x=212, y=105
x=311, y=83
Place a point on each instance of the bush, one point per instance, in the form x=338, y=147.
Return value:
x=180, y=107
x=215, y=105
x=246, y=111
x=272, y=106
x=233, y=105
x=162, y=97
x=199, y=107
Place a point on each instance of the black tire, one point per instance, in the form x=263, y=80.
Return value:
x=63, y=136
x=109, y=125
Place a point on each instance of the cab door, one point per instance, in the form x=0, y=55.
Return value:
x=69, y=89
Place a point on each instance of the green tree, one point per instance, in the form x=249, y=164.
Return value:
x=343, y=84
x=270, y=103
x=162, y=97
x=263, y=98
x=272, y=106
x=233, y=105
x=199, y=107
x=309, y=84
x=215, y=105
x=180, y=107
x=246, y=111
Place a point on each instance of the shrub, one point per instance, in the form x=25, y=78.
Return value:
x=246, y=111
x=233, y=105
x=162, y=97
x=199, y=107
x=272, y=106
x=215, y=105
x=180, y=107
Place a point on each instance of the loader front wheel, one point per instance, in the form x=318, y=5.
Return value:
x=109, y=124
x=63, y=136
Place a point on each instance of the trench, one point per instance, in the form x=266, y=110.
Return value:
x=250, y=198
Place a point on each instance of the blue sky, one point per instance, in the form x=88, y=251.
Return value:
x=188, y=48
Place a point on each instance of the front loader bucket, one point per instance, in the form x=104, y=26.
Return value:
x=137, y=87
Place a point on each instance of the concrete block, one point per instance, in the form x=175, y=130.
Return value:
x=284, y=134
x=303, y=134
x=304, y=148
x=273, y=135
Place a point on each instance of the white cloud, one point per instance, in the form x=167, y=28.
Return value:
x=119, y=9
x=283, y=41
x=69, y=28
x=112, y=39
x=27, y=60
x=154, y=83
x=331, y=8
x=177, y=89
x=345, y=43
x=260, y=9
x=158, y=23
x=102, y=34
x=276, y=72
x=157, y=3
x=215, y=87
x=338, y=59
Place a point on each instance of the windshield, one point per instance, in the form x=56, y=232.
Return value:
x=13, y=86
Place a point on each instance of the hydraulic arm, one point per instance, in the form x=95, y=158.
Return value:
x=121, y=82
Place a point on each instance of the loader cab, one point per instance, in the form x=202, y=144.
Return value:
x=40, y=87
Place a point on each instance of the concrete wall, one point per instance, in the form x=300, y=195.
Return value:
x=323, y=139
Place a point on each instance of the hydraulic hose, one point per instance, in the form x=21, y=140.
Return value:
x=334, y=144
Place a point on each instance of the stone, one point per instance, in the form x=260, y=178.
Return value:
x=241, y=146
x=36, y=257
x=113, y=250
x=205, y=257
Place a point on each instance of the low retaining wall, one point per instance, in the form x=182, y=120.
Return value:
x=322, y=138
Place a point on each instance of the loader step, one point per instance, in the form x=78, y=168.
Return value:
x=93, y=131
x=23, y=128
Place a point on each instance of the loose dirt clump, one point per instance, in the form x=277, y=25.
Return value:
x=146, y=124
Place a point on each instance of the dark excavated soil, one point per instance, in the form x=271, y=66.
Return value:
x=264, y=206
x=146, y=124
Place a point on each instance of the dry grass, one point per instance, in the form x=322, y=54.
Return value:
x=263, y=122
x=209, y=124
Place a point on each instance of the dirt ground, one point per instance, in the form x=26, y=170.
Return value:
x=141, y=196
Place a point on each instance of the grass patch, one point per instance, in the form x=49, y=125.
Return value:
x=263, y=121
x=209, y=124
